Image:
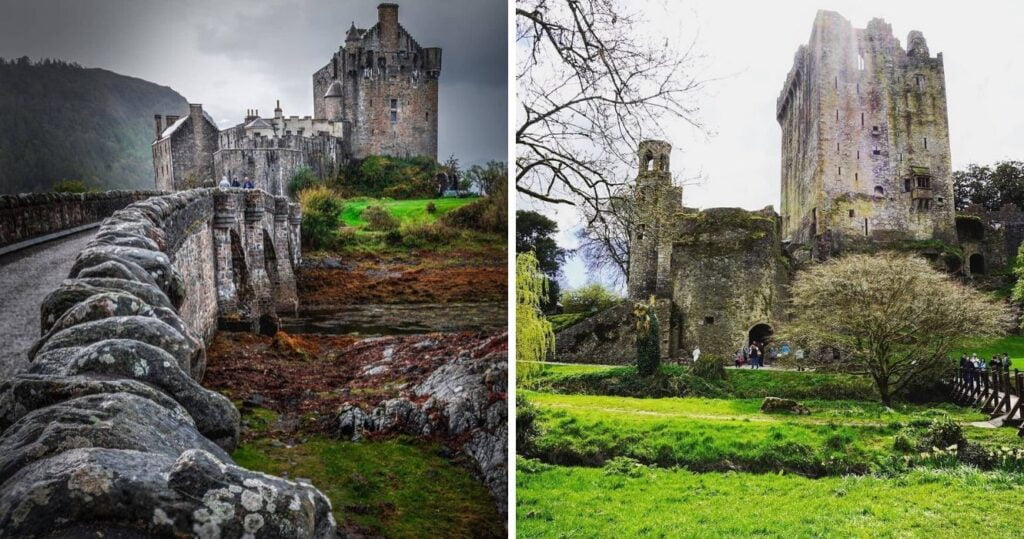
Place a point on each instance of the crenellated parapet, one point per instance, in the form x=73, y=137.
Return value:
x=123, y=345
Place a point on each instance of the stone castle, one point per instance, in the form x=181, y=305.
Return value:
x=865, y=166
x=377, y=96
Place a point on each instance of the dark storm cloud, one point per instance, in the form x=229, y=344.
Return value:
x=238, y=54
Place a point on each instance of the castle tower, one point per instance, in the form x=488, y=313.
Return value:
x=865, y=139
x=655, y=201
x=387, y=89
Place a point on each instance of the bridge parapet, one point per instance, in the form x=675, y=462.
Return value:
x=31, y=215
x=123, y=344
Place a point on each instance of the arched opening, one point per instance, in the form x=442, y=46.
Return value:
x=977, y=264
x=240, y=273
x=760, y=333
x=879, y=190
x=270, y=260
x=648, y=162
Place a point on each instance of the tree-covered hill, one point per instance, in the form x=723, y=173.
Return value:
x=63, y=121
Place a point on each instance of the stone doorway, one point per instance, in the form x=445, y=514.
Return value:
x=761, y=333
x=977, y=264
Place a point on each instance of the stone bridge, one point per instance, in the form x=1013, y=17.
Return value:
x=108, y=431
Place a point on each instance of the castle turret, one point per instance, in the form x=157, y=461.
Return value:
x=655, y=201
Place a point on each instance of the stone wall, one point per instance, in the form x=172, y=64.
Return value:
x=109, y=432
x=27, y=216
x=609, y=337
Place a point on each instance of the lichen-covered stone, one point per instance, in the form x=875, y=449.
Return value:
x=156, y=263
x=149, y=330
x=108, y=420
x=213, y=413
x=126, y=493
x=27, y=392
x=73, y=291
x=774, y=405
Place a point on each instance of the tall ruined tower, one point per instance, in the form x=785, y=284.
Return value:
x=865, y=139
x=383, y=85
x=655, y=201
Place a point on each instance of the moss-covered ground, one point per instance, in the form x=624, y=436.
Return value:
x=393, y=488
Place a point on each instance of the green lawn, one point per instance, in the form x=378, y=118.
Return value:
x=587, y=502
x=719, y=434
x=395, y=488
x=986, y=347
x=406, y=211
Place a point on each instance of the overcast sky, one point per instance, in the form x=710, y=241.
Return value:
x=751, y=46
x=231, y=55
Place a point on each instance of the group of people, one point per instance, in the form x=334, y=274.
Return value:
x=997, y=363
x=758, y=354
x=225, y=184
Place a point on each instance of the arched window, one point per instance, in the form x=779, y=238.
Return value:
x=879, y=190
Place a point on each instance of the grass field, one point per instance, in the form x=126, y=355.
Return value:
x=555, y=501
x=406, y=211
x=396, y=488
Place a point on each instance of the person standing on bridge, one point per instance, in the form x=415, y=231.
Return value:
x=234, y=182
x=247, y=184
x=224, y=183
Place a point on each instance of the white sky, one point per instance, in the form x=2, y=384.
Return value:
x=751, y=45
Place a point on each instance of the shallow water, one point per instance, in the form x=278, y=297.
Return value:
x=397, y=319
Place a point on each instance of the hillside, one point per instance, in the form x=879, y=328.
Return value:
x=62, y=121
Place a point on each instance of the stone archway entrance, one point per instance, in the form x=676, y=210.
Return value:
x=761, y=333
x=977, y=264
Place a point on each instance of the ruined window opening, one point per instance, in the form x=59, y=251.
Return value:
x=879, y=190
x=940, y=201
x=920, y=82
x=906, y=185
x=709, y=320
x=851, y=213
x=860, y=62
x=640, y=232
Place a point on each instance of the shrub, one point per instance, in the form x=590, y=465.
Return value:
x=379, y=219
x=431, y=208
x=485, y=215
x=426, y=234
x=526, y=423
x=321, y=211
x=942, y=432
x=378, y=175
x=589, y=298
x=624, y=466
x=71, y=186
x=648, y=339
x=708, y=368
x=302, y=180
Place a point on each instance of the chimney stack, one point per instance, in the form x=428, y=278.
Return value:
x=387, y=18
x=159, y=128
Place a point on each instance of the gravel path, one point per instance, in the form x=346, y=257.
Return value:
x=26, y=277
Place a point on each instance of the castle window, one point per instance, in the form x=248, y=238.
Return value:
x=865, y=226
x=906, y=185
x=837, y=115
x=840, y=171
x=858, y=88
x=940, y=201
x=858, y=154
x=901, y=157
x=920, y=81
x=926, y=143
x=394, y=110
x=836, y=83
x=426, y=115
x=837, y=147
x=851, y=213
x=709, y=320
x=924, y=182
x=862, y=119
x=879, y=190
x=876, y=151
x=640, y=232
x=860, y=62
x=856, y=176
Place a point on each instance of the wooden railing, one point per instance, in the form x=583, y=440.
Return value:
x=995, y=391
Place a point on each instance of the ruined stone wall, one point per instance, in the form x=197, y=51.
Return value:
x=389, y=90
x=30, y=215
x=865, y=141
x=728, y=275
x=154, y=457
x=994, y=235
x=609, y=337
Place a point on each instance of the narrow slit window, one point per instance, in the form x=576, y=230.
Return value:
x=856, y=176
x=394, y=110
x=837, y=114
x=858, y=154
x=920, y=82
x=836, y=83
x=840, y=171
x=851, y=213
x=862, y=119
x=858, y=88
x=926, y=143
x=860, y=62
x=837, y=147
